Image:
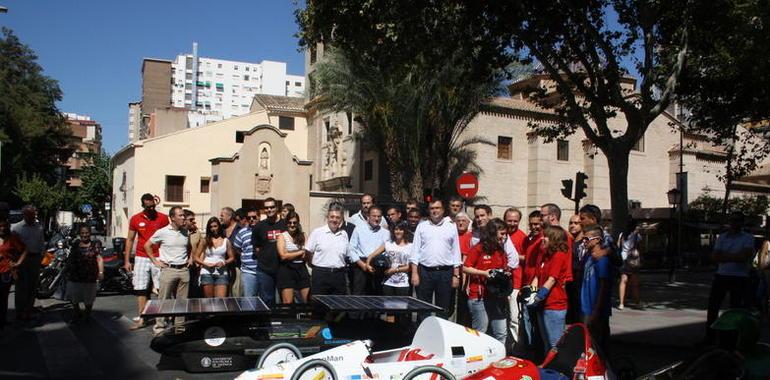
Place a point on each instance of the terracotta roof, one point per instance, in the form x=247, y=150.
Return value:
x=280, y=103
x=517, y=105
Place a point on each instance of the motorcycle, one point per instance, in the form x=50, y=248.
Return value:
x=116, y=278
x=52, y=274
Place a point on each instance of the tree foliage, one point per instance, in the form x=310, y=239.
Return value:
x=708, y=208
x=34, y=135
x=726, y=84
x=413, y=118
x=96, y=181
x=34, y=189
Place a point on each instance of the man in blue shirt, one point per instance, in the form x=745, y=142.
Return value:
x=365, y=240
x=595, y=287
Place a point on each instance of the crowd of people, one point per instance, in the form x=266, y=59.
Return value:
x=485, y=271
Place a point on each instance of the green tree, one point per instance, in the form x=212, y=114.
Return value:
x=726, y=87
x=412, y=116
x=96, y=181
x=35, y=138
x=34, y=189
x=584, y=48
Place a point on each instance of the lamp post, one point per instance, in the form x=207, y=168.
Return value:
x=674, y=199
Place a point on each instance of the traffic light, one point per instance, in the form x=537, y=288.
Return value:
x=580, y=185
x=566, y=191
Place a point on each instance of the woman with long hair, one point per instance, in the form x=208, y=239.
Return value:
x=213, y=256
x=292, y=272
x=550, y=302
x=398, y=250
x=628, y=243
x=487, y=309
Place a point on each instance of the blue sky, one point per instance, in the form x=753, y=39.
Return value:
x=95, y=48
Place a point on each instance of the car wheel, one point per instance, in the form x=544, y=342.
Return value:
x=277, y=354
x=314, y=364
x=443, y=373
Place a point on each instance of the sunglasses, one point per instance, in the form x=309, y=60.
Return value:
x=589, y=238
x=292, y=223
x=269, y=207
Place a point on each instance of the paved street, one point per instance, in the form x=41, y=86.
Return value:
x=661, y=333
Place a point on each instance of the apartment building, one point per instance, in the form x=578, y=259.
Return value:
x=87, y=141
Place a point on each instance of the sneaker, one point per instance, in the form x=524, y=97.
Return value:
x=136, y=319
x=138, y=325
x=620, y=307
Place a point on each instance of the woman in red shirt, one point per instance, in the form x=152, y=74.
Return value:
x=487, y=309
x=12, y=253
x=550, y=303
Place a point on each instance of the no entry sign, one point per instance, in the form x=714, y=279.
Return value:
x=467, y=185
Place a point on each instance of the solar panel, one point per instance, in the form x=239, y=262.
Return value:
x=206, y=306
x=392, y=304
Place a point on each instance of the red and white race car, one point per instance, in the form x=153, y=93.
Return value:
x=457, y=351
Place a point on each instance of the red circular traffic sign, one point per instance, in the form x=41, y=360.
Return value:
x=467, y=185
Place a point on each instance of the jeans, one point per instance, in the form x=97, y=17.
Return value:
x=438, y=283
x=513, y=325
x=551, y=323
x=5, y=289
x=529, y=327
x=480, y=320
x=258, y=284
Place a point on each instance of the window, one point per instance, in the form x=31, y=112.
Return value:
x=219, y=65
x=349, y=115
x=246, y=77
x=247, y=69
x=327, y=125
x=298, y=84
x=285, y=122
x=639, y=146
x=235, y=67
x=174, y=188
x=313, y=55
x=368, y=170
x=504, y=147
x=562, y=150
x=205, y=185
x=239, y=137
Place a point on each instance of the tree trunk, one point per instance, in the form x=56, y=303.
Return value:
x=618, y=165
x=729, y=174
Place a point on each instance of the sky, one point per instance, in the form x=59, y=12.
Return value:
x=95, y=48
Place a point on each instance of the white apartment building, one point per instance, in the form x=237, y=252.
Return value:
x=215, y=89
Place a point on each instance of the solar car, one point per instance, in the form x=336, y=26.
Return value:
x=458, y=350
x=232, y=334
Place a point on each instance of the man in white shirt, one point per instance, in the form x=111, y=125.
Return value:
x=436, y=258
x=327, y=247
x=361, y=218
x=365, y=240
x=30, y=232
x=174, y=260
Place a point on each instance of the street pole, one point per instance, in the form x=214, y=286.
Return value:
x=671, y=270
x=682, y=188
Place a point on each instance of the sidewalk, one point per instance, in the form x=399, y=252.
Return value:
x=672, y=322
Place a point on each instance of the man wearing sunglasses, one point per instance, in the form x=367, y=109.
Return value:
x=264, y=236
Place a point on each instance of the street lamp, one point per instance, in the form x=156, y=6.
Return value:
x=674, y=199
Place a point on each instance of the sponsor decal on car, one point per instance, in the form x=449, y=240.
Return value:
x=505, y=363
x=474, y=359
x=472, y=331
x=214, y=336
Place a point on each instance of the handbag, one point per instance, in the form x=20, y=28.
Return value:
x=634, y=260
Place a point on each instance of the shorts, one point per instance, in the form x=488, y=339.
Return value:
x=215, y=277
x=292, y=276
x=144, y=270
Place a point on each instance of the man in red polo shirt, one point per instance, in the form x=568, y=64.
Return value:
x=512, y=217
x=532, y=255
x=143, y=225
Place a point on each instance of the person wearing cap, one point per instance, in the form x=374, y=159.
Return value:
x=141, y=227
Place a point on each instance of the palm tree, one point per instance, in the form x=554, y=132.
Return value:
x=414, y=118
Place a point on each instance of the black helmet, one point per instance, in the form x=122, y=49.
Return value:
x=499, y=283
x=381, y=262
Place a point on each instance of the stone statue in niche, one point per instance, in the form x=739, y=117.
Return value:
x=264, y=160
